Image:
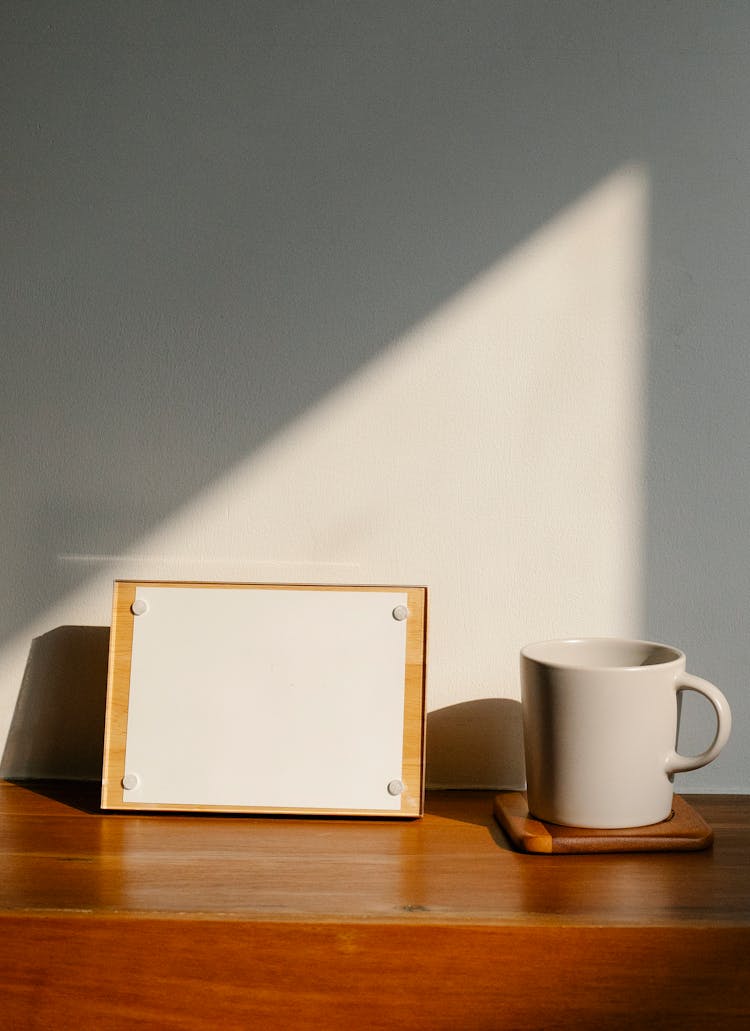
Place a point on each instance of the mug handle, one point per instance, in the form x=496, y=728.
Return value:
x=677, y=763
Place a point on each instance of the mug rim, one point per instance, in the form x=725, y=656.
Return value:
x=527, y=649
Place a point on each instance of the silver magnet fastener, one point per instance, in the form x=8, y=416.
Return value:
x=395, y=787
x=130, y=781
x=139, y=607
x=400, y=613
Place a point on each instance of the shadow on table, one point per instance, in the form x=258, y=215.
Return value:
x=85, y=796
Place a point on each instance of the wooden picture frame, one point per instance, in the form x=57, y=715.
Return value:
x=266, y=698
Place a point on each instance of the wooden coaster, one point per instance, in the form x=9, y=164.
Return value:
x=683, y=831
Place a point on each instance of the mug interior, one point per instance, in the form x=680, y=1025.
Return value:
x=601, y=653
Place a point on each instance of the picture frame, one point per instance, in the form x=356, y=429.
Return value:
x=266, y=698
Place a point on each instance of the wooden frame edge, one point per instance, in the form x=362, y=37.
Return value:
x=118, y=689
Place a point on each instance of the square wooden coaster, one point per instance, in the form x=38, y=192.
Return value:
x=684, y=831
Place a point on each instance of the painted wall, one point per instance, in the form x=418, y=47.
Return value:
x=416, y=292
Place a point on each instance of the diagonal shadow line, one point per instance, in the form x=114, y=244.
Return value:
x=157, y=458
x=196, y=263
x=40, y=691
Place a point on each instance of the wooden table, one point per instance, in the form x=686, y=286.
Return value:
x=168, y=921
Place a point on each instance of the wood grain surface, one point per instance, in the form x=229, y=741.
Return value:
x=117, y=920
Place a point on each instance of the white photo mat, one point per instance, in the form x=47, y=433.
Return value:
x=245, y=697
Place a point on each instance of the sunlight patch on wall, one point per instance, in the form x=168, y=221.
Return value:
x=493, y=453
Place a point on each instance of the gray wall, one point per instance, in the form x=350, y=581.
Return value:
x=215, y=212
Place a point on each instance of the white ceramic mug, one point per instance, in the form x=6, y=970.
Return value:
x=600, y=720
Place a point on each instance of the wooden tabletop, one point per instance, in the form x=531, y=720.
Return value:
x=59, y=853
x=330, y=895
